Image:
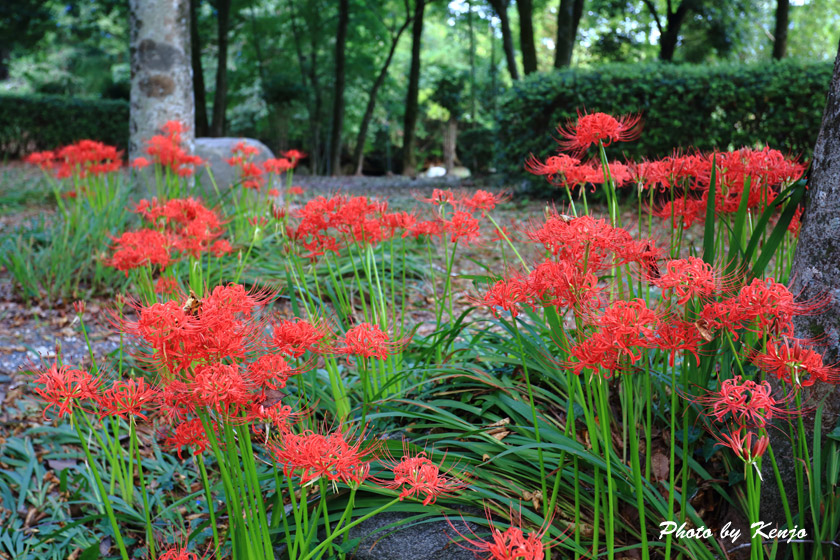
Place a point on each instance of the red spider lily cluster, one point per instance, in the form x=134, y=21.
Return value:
x=85, y=158
x=217, y=362
x=614, y=334
x=167, y=151
x=329, y=224
x=252, y=175
x=178, y=226
x=687, y=176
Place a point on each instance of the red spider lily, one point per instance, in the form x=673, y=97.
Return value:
x=189, y=434
x=563, y=285
x=312, y=456
x=440, y=197
x=502, y=234
x=167, y=286
x=65, y=389
x=674, y=335
x=794, y=364
x=625, y=328
x=682, y=210
x=745, y=402
x=428, y=228
x=511, y=544
x=79, y=307
x=279, y=415
x=140, y=162
x=258, y=221
x=555, y=168
x=167, y=151
x=689, y=277
x=462, y=227
x=83, y=159
x=763, y=306
x=146, y=247
x=599, y=127
x=297, y=336
x=270, y=371
x=213, y=330
x=483, y=200
x=368, y=341
x=216, y=384
x=295, y=191
x=744, y=447
x=294, y=155
x=277, y=165
x=178, y=553
x=507, y=295
x=416, y=476
x=127, y=398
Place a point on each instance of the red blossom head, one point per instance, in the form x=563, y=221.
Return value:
x=417, y=476
x=512, y=543
x=591, y=129
x=66, y=389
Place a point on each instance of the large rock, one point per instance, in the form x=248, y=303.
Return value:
x=216, y=151
x=421, y=541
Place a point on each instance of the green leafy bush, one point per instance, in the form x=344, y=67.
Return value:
x=725, y=106
x=30, y=123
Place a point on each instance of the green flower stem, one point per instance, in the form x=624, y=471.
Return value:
x=101, y=487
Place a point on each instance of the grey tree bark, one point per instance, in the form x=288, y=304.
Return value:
x=815, y=273
x=161, y=71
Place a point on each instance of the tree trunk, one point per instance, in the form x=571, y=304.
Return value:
x=473, y=103
x=358, y=152
x=201, y=126
x=526, y=35
x=568, y=19
x=161, y=71
x=671, y=34
x=338, y=93
x=815, y=274
x=220, y=97
x=411, y=100
x=500, y=7
x=780, y=37
x=450, y=139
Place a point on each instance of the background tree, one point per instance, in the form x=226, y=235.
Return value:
x=338, y=90
x=161, y=77
x=525, y=8
x=449, y=95
x=569, y=13
x=669, y=29
x=782, y=22
x=217, y=127
x=22, y=24
x=501, y=9
x=202, y=126
x=394, y=34
x=412, y=101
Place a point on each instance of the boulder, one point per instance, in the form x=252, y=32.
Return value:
x=418, y=541
x=216, y=152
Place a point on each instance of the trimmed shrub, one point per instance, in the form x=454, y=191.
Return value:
x=31, y=123
x=727, y=106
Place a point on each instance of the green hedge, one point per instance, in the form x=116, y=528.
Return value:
x=724, y=106
x=31, y=123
